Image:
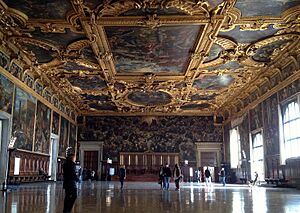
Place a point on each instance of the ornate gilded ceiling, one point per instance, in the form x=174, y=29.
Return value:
x=160, y=57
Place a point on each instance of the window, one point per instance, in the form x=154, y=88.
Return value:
x=235, y=154
x=257, y=155
x=291, y=127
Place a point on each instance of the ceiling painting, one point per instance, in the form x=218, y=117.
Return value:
x=149, y=98
x=265, y=8
x=49, y=9
x=213, y=82
x=163, y=49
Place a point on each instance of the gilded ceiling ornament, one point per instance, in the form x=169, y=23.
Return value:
x=152, y=21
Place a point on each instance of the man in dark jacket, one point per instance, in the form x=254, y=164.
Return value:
x=122, y=175
x=70, y=179
x=167, y=176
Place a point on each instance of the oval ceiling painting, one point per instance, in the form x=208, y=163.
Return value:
x=149, y=98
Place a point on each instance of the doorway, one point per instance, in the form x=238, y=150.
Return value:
x=257, y=160
x=53, y=157
x=5, y=127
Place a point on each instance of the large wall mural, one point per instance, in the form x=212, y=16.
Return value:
x=73, y=136
x=42, y=128
x=271, y=121
x=256, y=118
x=6, y=94
x=55, y=123
x=23, y=119
x=154, y=134
x=140, y=49
x=63, y=137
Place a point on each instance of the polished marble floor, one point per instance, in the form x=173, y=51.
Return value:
x=139, y=197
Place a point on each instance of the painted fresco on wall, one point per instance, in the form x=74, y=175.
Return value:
x=247, y=36
x=87, y=83
x=23, y=119
x=149, y=98
x=256, y=117
x=41, y=9
x=232, y=65
x=264, y=53
x=271, y=125
x=96, y=97
x=265, y=8
x=15, y=70
x=73, y=134
x=198, y=97
x=42, y=55
x=140, y=49
x=214, y=52
x=245, y=146
x=290, y=90
x=55, y=123
x=213, y=82
x=58, y=39
x=4, y=60
x=42, y=128
x=74, y=66
x=89, y=55
x=157, y=134
x=104, y=106
x=195, y=106
x=6, y=94
x=63, y=137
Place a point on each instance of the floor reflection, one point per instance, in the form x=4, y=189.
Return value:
x=147, y=197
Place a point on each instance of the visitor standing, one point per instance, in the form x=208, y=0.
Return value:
x=222, y=175
x=207, y=177
x=70, y=179
x=177, y=176
x=122, y=175
x=167, y=176
x=161, y=176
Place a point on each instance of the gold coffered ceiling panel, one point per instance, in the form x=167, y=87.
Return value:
x=159, y=57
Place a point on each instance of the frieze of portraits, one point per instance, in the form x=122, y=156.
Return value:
x=288, y=91
x=23, y=119
x=16, y=70
x=154, y=134
x=4, y=60
x=42, y=128
x=63, y=137
x=6, y=94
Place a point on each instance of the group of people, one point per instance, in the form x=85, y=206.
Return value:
x=165, y=174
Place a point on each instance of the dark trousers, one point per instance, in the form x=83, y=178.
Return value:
x=177, y=183
x=122, y=182
x=70, y=197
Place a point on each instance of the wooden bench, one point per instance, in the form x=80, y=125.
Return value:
x=277, y=181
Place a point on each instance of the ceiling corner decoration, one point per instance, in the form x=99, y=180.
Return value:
x=158, y=57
